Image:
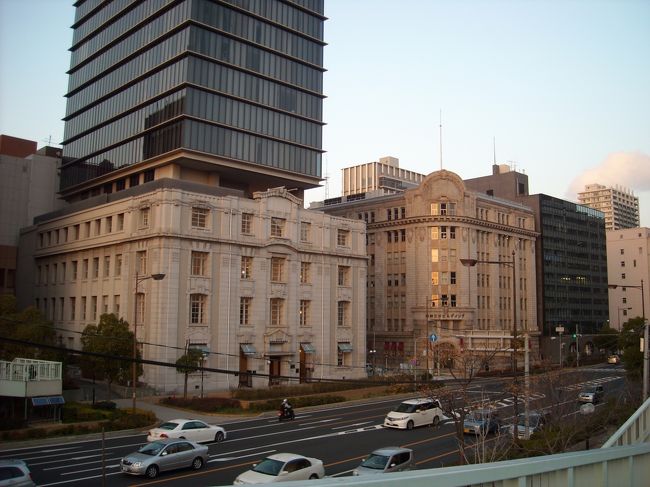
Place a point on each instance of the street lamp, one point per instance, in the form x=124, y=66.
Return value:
x=509, y=263
x=134, y=364
x=646, y=355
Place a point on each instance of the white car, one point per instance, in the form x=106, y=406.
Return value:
x=282, y=467
x=414, y=412
x=188, y=429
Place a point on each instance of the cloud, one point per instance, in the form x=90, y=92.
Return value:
x=628, y=170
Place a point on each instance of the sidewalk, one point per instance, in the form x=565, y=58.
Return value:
x=167, y=413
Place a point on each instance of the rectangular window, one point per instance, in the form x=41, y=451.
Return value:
x=144, y=217
x=246, y=267
x=304, y=272
x=199, y=217
x=245, y=310
x=120, y=222
x=83, y=307
x=277, y=269
x=305, y=231
x=452, y=278
x=277, y=227
x=344, y=275
x=342, y=237
x=107, y=265
x=434, y=255
x=343, y=352
x=434, y=278
x=452, y=232
x=84, y=269
x=64, y=268
x=141, y=261
x=277, y=311
x=443, y=233
x=105, y=304
x=109, y=224
x=304, y=312
x=247, y=223
x=98, y=226
x=342, y=313
x=61, y=309
x=87, y=229
x=199, y=263
x=95, y=267
x=118, y=265
x=76, y=232
x=139, y=308
x=93, y=308
x=73, y=309
x=116, y=305
x=74, y=270
x=197, y=309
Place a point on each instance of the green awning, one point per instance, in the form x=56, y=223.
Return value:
x=345, y=347
x=307, y=348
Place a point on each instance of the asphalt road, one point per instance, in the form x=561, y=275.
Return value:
x=340, y=436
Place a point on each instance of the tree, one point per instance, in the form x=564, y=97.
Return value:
x=28, y=325
x=111, y=337
x=188, y=363
x=607, y=339
x=630, y=342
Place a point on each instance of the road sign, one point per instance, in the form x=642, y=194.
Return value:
x=433, y=337
x=559, y=329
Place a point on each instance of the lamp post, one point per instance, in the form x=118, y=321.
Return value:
x=646, y=354
x=134, y=364
x=509, y=263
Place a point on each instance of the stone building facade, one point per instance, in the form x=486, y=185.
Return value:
x=417, y=285
x=272, y=292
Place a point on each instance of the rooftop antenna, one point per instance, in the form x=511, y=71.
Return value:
x=441, y=139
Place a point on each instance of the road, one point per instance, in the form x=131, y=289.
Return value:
x=340, y=436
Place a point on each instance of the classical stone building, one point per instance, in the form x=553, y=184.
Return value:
x=417, y=284
x=272, y=291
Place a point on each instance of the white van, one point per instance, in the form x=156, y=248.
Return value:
x=414, y=412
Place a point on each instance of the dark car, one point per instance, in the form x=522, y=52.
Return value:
x=481, y=422
x=536, y=422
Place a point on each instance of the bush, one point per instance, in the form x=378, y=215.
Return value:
x=296, y=402
x=108, y=405
x=207, y=404
x=281, y=392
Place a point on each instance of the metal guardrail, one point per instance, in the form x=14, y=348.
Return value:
x=635, y=430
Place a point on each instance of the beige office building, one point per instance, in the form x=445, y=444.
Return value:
x=628, y=267
x=417, y=284
x=379, y=177
x=620, y=206
x=274, y=292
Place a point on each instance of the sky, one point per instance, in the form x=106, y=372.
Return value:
x=558, y=89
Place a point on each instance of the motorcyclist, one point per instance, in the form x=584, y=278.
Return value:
x=285, y=408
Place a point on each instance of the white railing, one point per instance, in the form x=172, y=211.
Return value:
x=23, y=370
x=635, y=430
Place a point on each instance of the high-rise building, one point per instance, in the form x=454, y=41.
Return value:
x=379, y=177
x=193, y=128
x=620, y=206
x=226, y=93
x=628, y=269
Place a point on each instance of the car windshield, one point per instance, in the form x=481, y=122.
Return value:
x=375, y=461
x=478, y=416
x=269, y=466
x=152, y=448
x=407, y=408
x=168, y=426
x=533, y=419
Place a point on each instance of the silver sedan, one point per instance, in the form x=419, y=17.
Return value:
x=162, y=455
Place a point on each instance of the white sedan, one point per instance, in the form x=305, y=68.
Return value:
x=188, y=429
x=282, y=467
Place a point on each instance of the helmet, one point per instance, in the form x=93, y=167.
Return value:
x=284, y=400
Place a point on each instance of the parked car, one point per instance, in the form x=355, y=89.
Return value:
x=592, y=394
x=481, y=422
x=386, y=460
x=536, y=422
x=282, y=467
x=414, y=412
x=614, y=359
x=188, y=429
x=162, y=455
x=15, y=473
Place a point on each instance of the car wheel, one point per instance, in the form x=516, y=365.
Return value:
x=313, y=477
x=151, y=472
x=181, y=437
x=197, y=463
x=436, y=420
x=409, y=425
x=218, y=437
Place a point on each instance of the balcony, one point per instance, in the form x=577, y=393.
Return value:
x=30, y=378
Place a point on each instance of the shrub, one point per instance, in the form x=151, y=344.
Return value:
x=207, y=404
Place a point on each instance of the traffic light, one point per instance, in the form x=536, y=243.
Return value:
x=574, y=336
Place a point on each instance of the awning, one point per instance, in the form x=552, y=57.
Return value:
x=307, y=348
x=248, y=349
x=345, y=347
x=47, y=401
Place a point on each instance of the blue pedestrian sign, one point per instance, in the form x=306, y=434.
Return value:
x=433, y=337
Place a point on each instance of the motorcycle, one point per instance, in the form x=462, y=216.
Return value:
x=286, y=413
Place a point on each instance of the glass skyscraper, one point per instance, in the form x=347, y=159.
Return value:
x=227, y=87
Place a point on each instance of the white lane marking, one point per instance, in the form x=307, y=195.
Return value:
x=341, y=473
x=59, y=449
x=355, y=424
x=77, y=480
x=322, y=421
x=88, y=470
x=66, y=445
x=227, y=459
x=84, y=463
